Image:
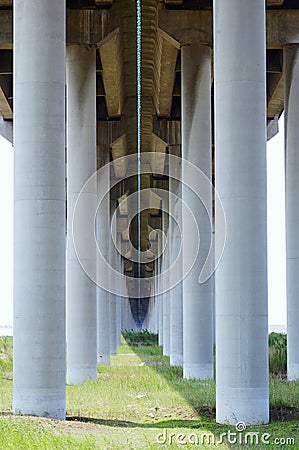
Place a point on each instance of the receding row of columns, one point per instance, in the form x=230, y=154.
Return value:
x=241, y=278
x=183, y=316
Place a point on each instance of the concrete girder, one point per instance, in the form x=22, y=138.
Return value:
x=275, y=2
x=180, y=3
x=119, y=149
x=87, y=26
x=103, y=2
x=6, y=32
x=275, y=87
x=109, y=49
x=5, y=107
x=196, y=26
x=167, y=73
x=123, y=205
x=6, y=129
x=159, y=147
x=90, y=26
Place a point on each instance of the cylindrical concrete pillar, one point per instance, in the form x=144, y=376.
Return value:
x=159, y=299
x=176, y=293
x=39, y=239
x=241, y=277
x=113, y=298
x=166, y=323
x=160, y=320
x=113, y=324
x=81, y=160
x=196, y=148
x=165, y=298
x=291, y=77
x=103, y=300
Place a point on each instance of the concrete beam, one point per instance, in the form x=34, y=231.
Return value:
x=187, y=26
x=90, y=26
x=169, y=55
x=173, y=2
x=86, y=26
x=272, y=127
x=282, y=27
x=6, y=29
x=109, y=49
x=275, y=87
x=159, y=147
x=181, y=2
x=119, y=149
x=5, y=108
x=103, y=2
x=6, y=130
x=196, y=26
x=275, y=2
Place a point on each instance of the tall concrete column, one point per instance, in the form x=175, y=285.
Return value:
x=119, y=268
x=291, y=76
x=196, y=148
x=113, y=324
x=81, y=160
x=160, y=320
x=176, y=293
x=113, y=299
x=165, y=297
x=39, y=235
x=103, y=301
x=241, y=277
x=159, y=298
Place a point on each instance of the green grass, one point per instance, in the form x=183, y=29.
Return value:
x=134, y=399
x=25, y=433
x=278, y=354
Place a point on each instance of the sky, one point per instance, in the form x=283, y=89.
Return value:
x=276, y=231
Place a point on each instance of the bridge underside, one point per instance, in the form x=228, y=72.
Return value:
x=213, y=83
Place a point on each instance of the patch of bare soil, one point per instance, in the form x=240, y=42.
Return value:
x=284, y=413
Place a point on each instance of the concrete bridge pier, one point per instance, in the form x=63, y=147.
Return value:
x=103, y=300
x=81, y=159
x=176, y=294
x=165, y=297
x=196, y=148
x=39, y=237
x=291, y=77
x=241, y=277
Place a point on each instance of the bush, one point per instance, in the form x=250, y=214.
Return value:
x=278, y=353
x=138, y=338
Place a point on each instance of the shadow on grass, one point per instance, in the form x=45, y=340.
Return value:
x=174, y=377
x=127, y=424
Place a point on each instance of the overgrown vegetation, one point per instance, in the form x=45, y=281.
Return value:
x=139, y=338
x=6, y=359
x=278, y=354
x=134, y=399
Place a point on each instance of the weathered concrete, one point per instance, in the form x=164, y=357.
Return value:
x=241, y=277
x=39, y=239
x=291, y=69
x=81, y=159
